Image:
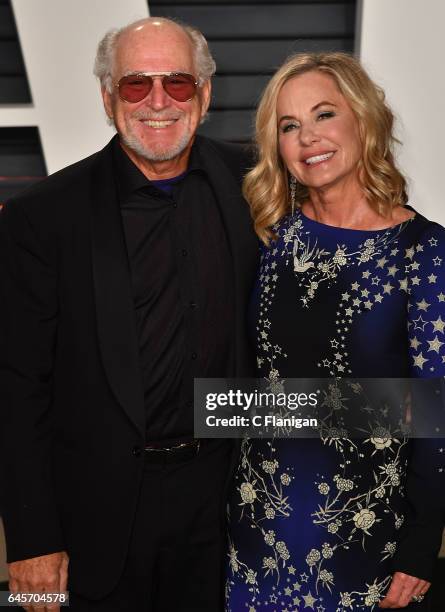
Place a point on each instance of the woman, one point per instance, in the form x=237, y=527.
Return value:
x=351, y=283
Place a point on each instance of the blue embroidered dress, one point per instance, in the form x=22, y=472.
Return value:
x=314, y=524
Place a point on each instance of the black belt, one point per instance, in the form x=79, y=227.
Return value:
x=175, y=451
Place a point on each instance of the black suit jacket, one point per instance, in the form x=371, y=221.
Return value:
x=72, y=413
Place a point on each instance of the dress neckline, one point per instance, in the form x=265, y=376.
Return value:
x=350, y=230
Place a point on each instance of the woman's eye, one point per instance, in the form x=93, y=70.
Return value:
x=289, y=127
x=326, y=115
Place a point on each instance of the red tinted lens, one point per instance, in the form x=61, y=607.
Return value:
x=135, y=88
x=180, y=87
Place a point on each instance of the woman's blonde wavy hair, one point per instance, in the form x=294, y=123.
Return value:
x=266, y=185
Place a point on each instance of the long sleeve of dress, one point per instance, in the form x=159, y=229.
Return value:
x=425, y=487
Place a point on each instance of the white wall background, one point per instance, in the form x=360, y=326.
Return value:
x=58, y=40
x=403, y=47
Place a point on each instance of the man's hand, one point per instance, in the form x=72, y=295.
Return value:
x=48, y=573
x=402, y=590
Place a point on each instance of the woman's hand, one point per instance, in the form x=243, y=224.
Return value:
x=402, y=590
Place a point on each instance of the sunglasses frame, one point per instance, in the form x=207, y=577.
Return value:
x=157, y=74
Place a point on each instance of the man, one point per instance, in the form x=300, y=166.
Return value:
x=122, y=278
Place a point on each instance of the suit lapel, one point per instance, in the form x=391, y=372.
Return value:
x=116, y=323
x=242, y=242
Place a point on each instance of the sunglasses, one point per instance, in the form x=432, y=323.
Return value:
x=178, y=85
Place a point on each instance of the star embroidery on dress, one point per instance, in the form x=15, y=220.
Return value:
x=375, y=280
x=441, y=297
x=355, y=286
x=403, y=284
x=366, y=274
x=297, y=601
x=304, y=577
x=419, y=360
x=378, y=297
x=415, y=280
x=435, y=344
x=288, y=591
x=392, y=270
x=309, y=600
x=297, y=586
x=423, y=305
x=394, y=252
x=345, y=296
x=381, y=262
x=432, y=278
x=349, y=312
x=409, y=253
x=365, y=293
x=437, y=261
x=438, y=325
x=356, y=302
x=368, y=305
x=414, y=343
x=433, y=242
x=334, y=344
x=387, y=288
x=420, y=323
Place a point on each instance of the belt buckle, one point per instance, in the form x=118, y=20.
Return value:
x=194, y=444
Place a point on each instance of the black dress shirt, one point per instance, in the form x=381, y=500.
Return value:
x=181, y=272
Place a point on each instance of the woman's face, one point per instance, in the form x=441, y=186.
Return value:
x=318, y=134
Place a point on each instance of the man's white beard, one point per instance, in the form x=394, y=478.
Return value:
x=156, y=152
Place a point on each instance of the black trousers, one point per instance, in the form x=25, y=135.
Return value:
x=177, y=550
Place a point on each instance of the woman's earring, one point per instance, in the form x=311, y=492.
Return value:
x=292, y=191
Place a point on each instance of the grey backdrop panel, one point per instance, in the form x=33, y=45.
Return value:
x=240, y=92
x=230, y=2
x=264, y=56
x=233, y=125
x=273, y=21
x=14, y=87
x=21, y=160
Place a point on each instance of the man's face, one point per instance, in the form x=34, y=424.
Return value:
x=157, y=128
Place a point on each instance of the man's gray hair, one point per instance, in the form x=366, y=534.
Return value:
x=103, y=64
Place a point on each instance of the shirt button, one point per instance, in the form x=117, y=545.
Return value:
x=184, y=252
x=194, y=355
x=137, y=451
x=175, y=205
x=193, y=304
